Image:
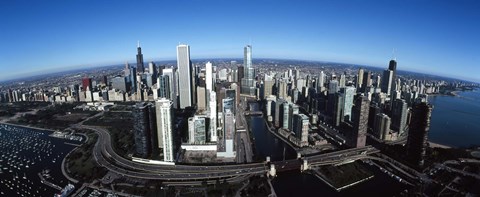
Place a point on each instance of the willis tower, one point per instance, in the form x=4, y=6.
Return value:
x=140, y=67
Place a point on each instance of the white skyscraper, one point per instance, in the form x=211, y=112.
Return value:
x=208, y=76
x=164, y=113
x=172, y=82
x=184, y=76
x=321, y=81
x=212, y=110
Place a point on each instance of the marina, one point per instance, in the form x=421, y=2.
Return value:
x=30, y=163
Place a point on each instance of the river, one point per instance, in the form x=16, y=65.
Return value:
x=295, y=183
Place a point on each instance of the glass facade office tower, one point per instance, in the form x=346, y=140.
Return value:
x=248, y=81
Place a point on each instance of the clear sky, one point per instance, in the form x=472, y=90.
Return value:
x=436, y=37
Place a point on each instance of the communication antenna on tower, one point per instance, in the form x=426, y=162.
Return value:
x=393, y=55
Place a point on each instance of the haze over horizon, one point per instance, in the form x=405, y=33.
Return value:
x=432, y=37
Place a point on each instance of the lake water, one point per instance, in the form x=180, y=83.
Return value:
x=456, y=119
x=24, y=154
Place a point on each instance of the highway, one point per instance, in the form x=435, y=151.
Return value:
x=199, y=174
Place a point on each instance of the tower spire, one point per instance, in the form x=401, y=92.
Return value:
x=393, y=55
x=138, y=43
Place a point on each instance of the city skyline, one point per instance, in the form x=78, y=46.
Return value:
x=429, y=37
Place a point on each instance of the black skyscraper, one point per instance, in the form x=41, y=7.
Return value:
x=144, y=129
x=418, y=133
x=393, y=67
x=140, y=67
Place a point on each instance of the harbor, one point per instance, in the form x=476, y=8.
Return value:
x=30, y=163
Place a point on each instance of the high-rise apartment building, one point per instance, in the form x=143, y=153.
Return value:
x=144, y=129
x=165, y=126
x=417, y=141
x=248, y=81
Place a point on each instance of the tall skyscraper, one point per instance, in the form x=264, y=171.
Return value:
x=208, y=76
x=382, y=126
x=212, y=111
x=248, y=81
x=417, y=141
x=320, y=81
x=229, y=132
x=349, y=93
x=292, y=110
x=360, y=122
x=172, y=84
x=338, y=109
x=387, y=81
x=392, y=65
x=185, y=76
x=126, y=70
x=140, y=67
x=300, y=128
x=165, y=128
x=143, y=129
x=399, y=115
x=164, y=87
x=152, y=69
x=360, y=78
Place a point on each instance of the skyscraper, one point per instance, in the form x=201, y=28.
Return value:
x=208, y=76
x=360, y=78
x=392, y=65
x=360, y=122
x=140, y=67
x=382, y=126
x=165, y=128
x=387, y=81
x=212, y=111
x=349, y=93
x=185, y=76
x=87, y=83
x=164, y=87
x=197, y=129
x=143, y=129
x=300, y=128
x=172, y=84
x=418, y=133
x=399, y=115
x=248, y=81
x=320, y=81
x=152, y=69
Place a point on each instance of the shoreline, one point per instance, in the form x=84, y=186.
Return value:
x=27, y=126
x=437, y=145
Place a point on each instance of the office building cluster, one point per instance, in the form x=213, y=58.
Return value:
x=213, y=94
x=353, y=107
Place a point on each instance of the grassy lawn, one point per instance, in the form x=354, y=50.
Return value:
x=58, y=116
x=120, y=125
x=81, y=164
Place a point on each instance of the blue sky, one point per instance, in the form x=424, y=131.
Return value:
x=436, y=37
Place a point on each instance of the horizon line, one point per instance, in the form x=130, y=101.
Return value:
x=99, y=65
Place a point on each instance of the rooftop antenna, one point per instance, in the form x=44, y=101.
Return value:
x=393, y=54
x=138, y=43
